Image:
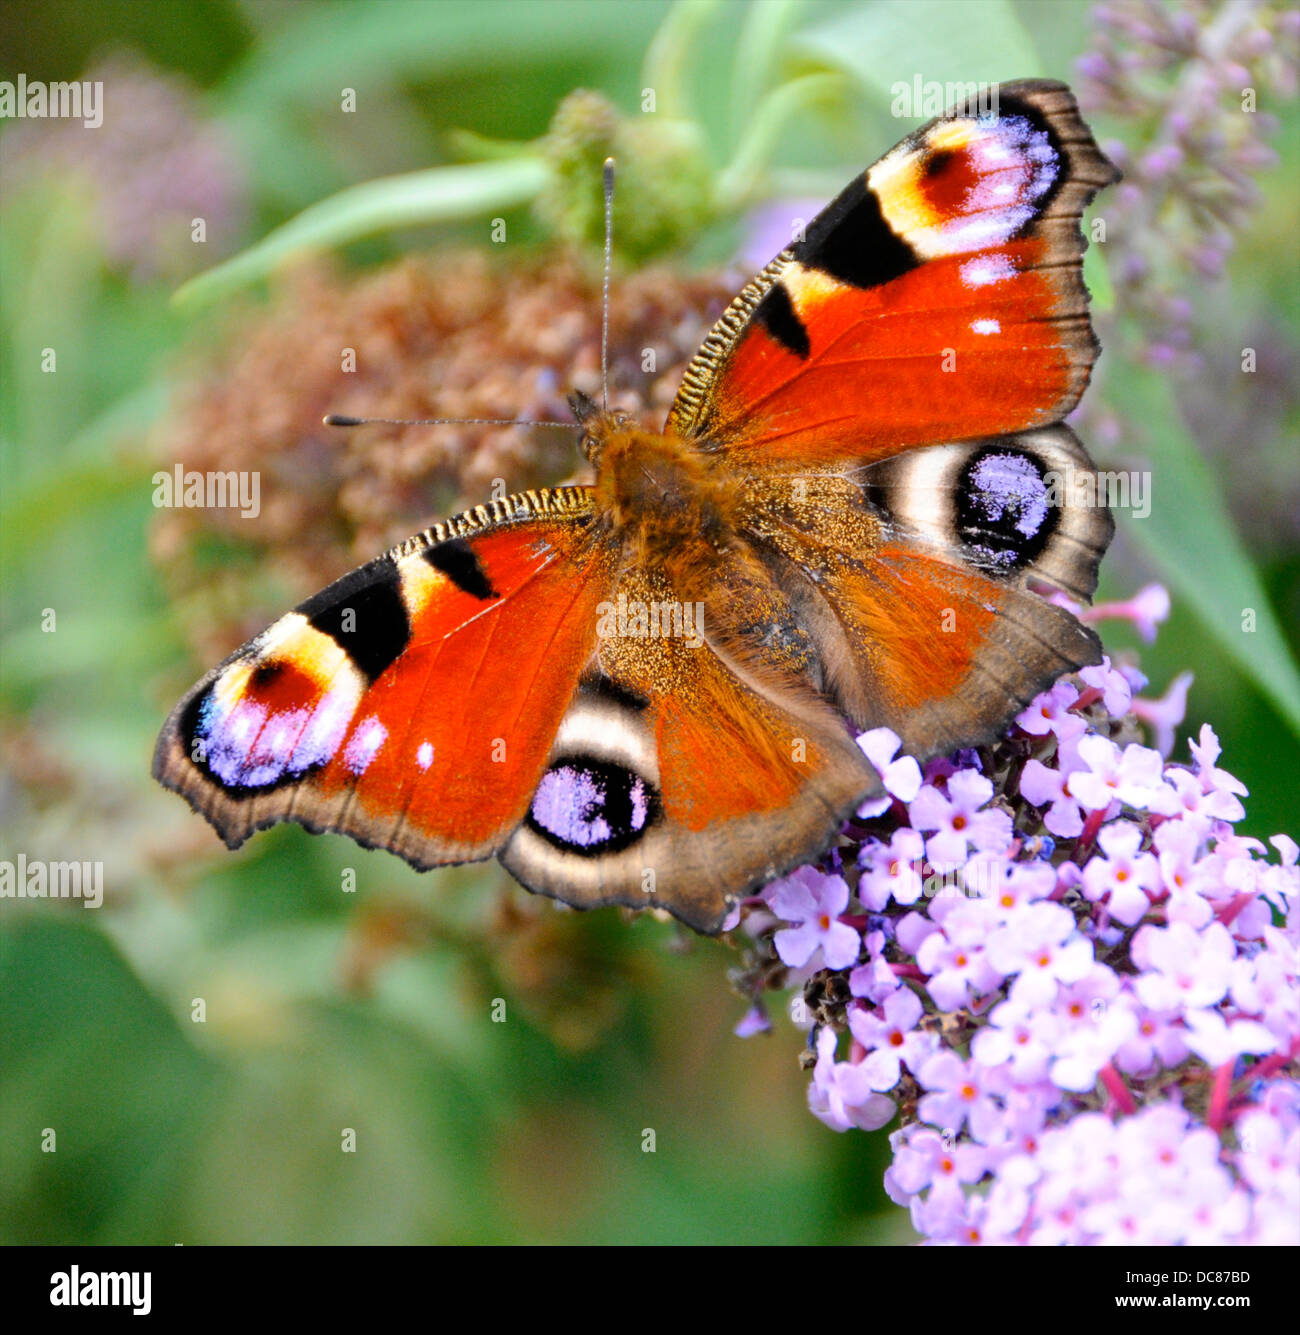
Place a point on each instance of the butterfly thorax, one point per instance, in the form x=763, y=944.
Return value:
x=661, y=498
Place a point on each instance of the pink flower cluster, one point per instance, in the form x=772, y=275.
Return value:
x=1077, y=985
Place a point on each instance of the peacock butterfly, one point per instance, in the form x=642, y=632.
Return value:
x=644, y=691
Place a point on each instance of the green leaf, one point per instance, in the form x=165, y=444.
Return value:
x=274, y=104
x=1191, y=540
x=941, y=40
x=664, y=68
x=438, y=194
x=742, y=181
x=762, y=42
x=86, y=1052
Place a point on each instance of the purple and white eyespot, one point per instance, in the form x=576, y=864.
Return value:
x=589, y=806
x=1004, y=509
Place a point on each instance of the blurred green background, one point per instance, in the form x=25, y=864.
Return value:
x=372, y=1010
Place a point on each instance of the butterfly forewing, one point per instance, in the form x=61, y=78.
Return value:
x=411, y=704
x=939, y=297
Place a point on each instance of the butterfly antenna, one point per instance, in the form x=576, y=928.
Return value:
x=338, y=419
x=604, y=302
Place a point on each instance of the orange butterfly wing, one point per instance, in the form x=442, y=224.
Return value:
x=939, y=297
x=395, y=706
x=914, y=576
x=684, y=775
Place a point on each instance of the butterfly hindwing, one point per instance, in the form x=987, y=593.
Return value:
x=412, y=704
x=939, y=297
x=682, y=777
x=1029, y=506
x=915, y=576
x=426, y=704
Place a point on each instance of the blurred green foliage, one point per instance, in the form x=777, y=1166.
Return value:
x=530, y=1130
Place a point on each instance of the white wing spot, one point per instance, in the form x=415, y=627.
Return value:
x=366, y=741
x=987, y=269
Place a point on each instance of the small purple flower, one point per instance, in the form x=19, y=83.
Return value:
x=1267, y=1155
x=955, y=958
x=1084, y=1001
x=1041, y=945
x=1216, y=1040
x=1280, y=886
x=1085, y=1048
x=1020, y=1036
x=960, y=1093
x=1125, y=879
x=1187, y=795
x=892, y=870
x=1007, y=886
x=1042, y=785
x=925, y=1157
x=1050, y=713
x=1159, y=1039
x=1132, y=776
x=1205, y=752
x=840, y=1094
x=1145, y=610
x=901, y=777
x=1164, y=715
x=874, y=981
x=1177, y=844
x=1116, y=692
x=956, y=823
x=890, y=1037
x=1264, y=985
x=813, y=900
x=754, y=1021
x=1181, y=966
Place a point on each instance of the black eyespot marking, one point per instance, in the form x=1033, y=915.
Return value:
x=190, y=725
x=364, y=613
x=456, y=559
x=591, y=807
x=603, y=688
x=877, y=497
x=851, y=241
x=939, y=161
x=777, y=315
x=265, y=673
x=1006, y=511
x=221, y=751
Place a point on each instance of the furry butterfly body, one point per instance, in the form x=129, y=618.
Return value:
x=644, y=691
